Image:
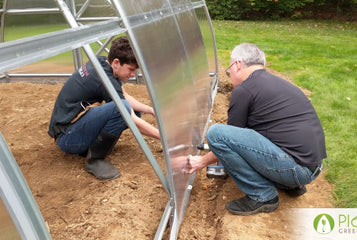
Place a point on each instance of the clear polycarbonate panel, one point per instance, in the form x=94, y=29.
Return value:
x=94, y=8
x=28, y=50
x=206, y=30
x=31, y=12
x=7, y=227
x=24, y=19
x=170, y=48
x=27, y=18
x=23, y=4
x=137, y=7
x=34, y=19
x=195, y=50
x=18, y=199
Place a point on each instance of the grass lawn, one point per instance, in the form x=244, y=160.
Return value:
x=321, y=57
x=318, y=56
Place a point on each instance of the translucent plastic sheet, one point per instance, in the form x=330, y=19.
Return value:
x=23, y=4
x=46, y=12
x=16, y=196
x=209, y=42
x=26, y=18
x=25, y=13
x=171, y=50
x=95, y=8
x=174, y=44
x=7, y=227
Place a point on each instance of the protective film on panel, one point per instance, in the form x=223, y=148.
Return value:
x=171, y=53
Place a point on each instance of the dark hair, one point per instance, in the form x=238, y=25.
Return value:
x=122, y=50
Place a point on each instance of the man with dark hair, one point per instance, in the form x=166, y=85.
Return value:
x=85, y=120
x=273, y=139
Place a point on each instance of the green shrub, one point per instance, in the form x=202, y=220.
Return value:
x=276, y=9
x=253, y=9
x=227, y=10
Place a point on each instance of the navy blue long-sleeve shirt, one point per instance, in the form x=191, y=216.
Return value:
x=83, y=87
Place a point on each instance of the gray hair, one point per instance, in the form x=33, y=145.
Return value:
x=249, y=54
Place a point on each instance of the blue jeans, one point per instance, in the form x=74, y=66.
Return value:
x=255, y=164
x=78, y=137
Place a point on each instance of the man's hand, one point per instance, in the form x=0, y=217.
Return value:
x=195, y=163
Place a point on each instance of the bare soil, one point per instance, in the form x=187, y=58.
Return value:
x=77, y=206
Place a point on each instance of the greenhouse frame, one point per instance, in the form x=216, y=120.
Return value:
x=176, y=35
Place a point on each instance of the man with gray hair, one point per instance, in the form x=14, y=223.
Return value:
x=273, y=138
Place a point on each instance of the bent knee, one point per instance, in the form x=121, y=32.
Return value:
x=214, y=131
x=115, y=110
x=127, y=105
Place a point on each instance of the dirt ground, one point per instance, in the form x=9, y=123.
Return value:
x=77, y=206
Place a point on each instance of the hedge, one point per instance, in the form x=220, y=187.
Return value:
x=276, y=9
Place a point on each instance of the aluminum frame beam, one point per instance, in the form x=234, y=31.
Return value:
x=116, y=99
x=18, y=198
x=141, y=20
x=24, y=51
